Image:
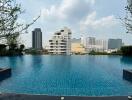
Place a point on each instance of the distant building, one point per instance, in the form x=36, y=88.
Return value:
x=37, y=39
x=75, y=40
x=115, y=43
x=83, y=41
x=77, y=47
x=90, y=43
x=61, y=42
x=101, y=45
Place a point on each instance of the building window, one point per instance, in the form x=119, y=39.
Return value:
x=69, y=33
x=51, y=43
x=50, y=40
x=62, y=30
x=58, y=33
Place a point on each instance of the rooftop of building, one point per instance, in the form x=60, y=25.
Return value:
x=37, y=29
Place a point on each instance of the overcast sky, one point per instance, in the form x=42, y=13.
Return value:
x=98, y=18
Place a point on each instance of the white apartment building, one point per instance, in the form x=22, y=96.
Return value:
x=90, y=43
x=61, y=42
x=101, y=45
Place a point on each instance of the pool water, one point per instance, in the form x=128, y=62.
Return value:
x=76, y=75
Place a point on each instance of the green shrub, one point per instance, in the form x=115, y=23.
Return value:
x=126, y=50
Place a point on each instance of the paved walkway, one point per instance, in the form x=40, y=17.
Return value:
x=43, y=97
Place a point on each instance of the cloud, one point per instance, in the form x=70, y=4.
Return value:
x=69, y=10
x=96, y=24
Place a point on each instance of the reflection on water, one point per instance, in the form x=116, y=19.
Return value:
x=36, y=62
x=83, y=75
x=126, y=60
x=61, y=63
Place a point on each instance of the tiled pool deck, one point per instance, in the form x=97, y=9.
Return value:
x=4, y=96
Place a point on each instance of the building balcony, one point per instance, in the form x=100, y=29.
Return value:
x=50, y=40
x=58, y=45
x=57, y=51
x=58, y=33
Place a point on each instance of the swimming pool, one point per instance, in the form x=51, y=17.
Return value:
x=78, y=75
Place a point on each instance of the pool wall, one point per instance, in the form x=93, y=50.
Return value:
x=127, y=74
x=6, y=96
x=5, y=73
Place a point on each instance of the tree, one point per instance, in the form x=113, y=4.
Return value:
x=10, y=29
x=126, y=50
x=128, y=18
x=22, y=47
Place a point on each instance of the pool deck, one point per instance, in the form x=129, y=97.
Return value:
x=8, y=96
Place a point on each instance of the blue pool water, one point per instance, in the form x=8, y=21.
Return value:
x=67, y=75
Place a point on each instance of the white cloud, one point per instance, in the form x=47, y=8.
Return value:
x=51, y=12
x=103, y=23
x=68, y=10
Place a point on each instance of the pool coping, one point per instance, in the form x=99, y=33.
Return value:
x=15, y=96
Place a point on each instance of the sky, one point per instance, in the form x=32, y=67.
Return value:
x=90, y=18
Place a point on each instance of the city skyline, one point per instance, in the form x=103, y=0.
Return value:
x=88, y=17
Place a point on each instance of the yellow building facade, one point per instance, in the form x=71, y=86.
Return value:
x=77, y=48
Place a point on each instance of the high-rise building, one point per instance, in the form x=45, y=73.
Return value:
x=101, y=45
x=114, y=43
x=61, y=42
x=37, y=39
x=74, y=40
x=83, y=41
x=90, y=43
